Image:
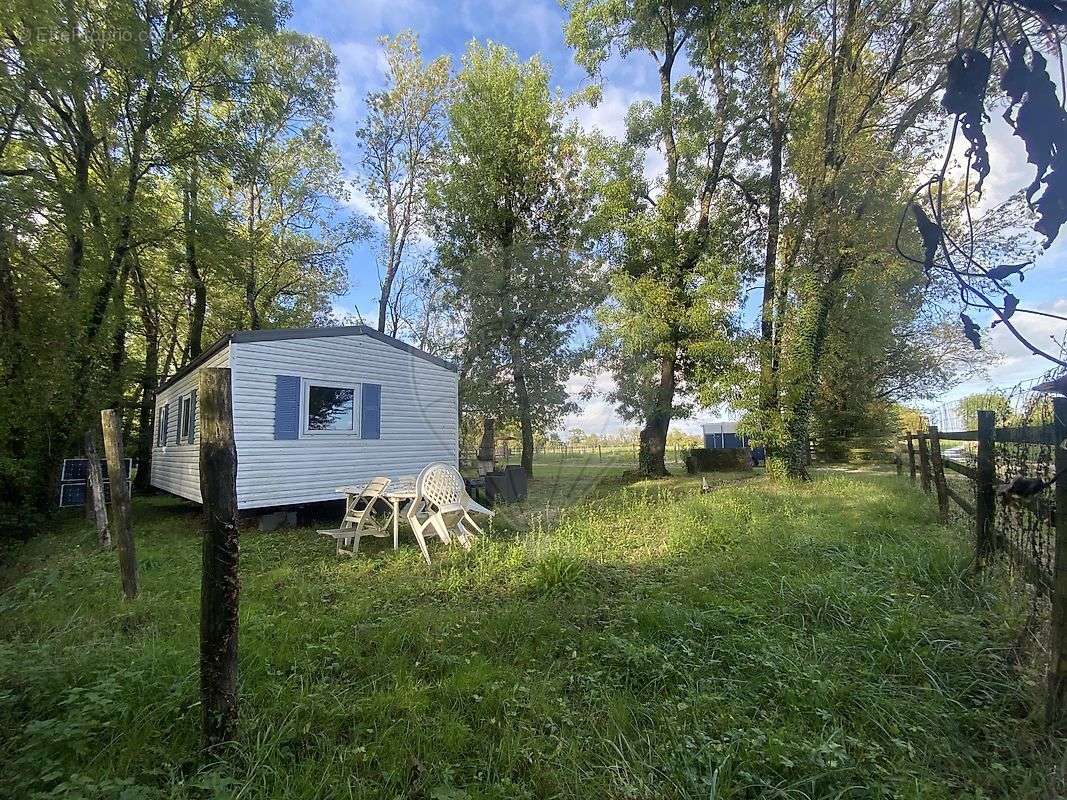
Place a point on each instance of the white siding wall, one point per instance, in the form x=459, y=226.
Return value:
x=419, y=421
x=176, y=467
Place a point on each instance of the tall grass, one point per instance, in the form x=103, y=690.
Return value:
x=819, y=641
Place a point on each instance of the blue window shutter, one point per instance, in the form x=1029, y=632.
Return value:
x=370, y=423
x=286, y=407
x=192, y=416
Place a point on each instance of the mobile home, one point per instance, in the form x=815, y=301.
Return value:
x=722, y=435
x=313, y=409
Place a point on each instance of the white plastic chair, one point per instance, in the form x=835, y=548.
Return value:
x=359, y=520
x=442, y=506
x=469, y=504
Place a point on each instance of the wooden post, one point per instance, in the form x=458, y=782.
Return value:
x=111, y=422
x=937, y=465
x=220, y=584
x=1056, y=704
x=94, y=490
x=985, y=494
x=924, y=462
x=911, y=456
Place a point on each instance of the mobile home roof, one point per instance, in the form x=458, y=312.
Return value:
x=277, y=334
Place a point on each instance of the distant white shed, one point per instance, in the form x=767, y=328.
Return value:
x=313, y=409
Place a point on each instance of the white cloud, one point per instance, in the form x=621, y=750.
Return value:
x=609, y=118
x=348, y=313
x=1017, y=363
x=536, y=25
x=358, y=201
x=597, y=415
x=361, y=68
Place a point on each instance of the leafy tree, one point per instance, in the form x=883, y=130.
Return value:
x=401, y=141
x=969, y=406
x=669, y=326
x=513, y=218
x=854, y=140
x=289, y=181
x=131, y=143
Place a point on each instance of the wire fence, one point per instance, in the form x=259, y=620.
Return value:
x=1001, y=479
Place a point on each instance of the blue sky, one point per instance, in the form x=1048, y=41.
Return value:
x=536, y=27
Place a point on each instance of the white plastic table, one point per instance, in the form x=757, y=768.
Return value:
x=397, y=494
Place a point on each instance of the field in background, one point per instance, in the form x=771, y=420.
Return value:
x=815, y=641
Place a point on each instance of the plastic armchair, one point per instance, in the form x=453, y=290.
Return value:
x=438, y=507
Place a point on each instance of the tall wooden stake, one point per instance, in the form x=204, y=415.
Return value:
x=1056, y=707
x=924, y=462
x=911, y=456
x=220, y=584
x=95, y=505
x=937, y=465
x=111, y=421
x=985, y=490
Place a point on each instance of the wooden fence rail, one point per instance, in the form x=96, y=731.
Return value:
x=1053, y=582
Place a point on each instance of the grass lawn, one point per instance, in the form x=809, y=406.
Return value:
x=817, y=641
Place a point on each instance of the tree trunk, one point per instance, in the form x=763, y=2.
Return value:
x=797, y=452
x=387, y=288
x=798, y=427
x=487, y=447
x=220, y=582
x=10, y=313
x=190, y=199
x=769, y=410
x=652, y=449
x=651, y=458
x=250, y=278
x=118, y=339
x=111, y=421
x=94, y=490
x=149, y=381
x=522, y=400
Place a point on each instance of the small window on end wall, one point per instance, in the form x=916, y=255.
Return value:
x=330, y=408
x=185, y=417
x=161, y=427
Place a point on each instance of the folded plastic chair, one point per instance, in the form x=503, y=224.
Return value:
x=360, y=519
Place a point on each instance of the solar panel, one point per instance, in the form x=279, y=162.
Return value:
x=75, y=469
x=73, y=488
x=72, y=494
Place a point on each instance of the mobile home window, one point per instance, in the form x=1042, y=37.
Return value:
x=329, y=408
x=161, y=431
x=185, y=415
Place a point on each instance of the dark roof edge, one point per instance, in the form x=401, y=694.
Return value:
x=280, y=334
x=212, y=350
